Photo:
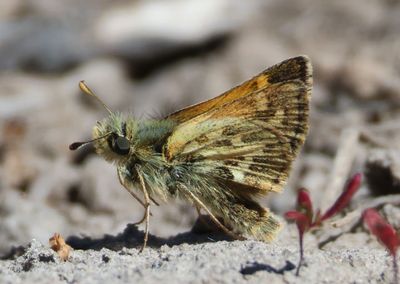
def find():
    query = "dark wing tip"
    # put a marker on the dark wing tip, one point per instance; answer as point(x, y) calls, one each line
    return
point(296, 68)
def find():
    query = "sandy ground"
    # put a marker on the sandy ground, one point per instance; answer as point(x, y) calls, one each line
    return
point(151, 57)
point(193, 258)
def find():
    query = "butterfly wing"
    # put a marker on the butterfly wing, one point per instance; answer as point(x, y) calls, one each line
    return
point(297, 68)
point(249, 135)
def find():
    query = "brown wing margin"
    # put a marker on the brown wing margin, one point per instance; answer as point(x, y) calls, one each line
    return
point(296, 68)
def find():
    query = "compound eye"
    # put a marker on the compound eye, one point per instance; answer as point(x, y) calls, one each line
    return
point(121, 145)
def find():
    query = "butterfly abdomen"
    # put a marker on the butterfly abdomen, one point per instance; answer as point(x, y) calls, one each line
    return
point(246, 217)
point(256, 222)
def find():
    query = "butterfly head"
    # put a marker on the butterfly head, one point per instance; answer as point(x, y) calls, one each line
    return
point(112, 136)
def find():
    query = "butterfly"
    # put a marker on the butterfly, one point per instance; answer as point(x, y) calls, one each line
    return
point(220, 155)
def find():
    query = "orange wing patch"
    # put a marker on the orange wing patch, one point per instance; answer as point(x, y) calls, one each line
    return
point(297, 68)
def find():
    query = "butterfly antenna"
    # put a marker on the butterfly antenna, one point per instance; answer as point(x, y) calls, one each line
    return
point(84, 88)
point(77, 145)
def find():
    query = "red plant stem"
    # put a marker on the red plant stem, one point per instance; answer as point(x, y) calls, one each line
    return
point(395, 270)
point(301, 234)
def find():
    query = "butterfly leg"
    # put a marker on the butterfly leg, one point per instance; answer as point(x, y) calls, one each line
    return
point(145, 212)
point(155, 202)
point(201, 216)
point(200, 205)
point(143, 218)
point(146, 216)
point(198, 209)
point(121, 180)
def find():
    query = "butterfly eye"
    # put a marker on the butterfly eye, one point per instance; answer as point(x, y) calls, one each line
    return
point(120, 145)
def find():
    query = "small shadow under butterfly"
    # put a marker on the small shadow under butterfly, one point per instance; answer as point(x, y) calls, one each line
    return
point(203, 231)
point(132, 237)
point(254, 267)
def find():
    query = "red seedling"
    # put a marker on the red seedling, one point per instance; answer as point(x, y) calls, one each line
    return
point(385, 233)
point(350, 189)
point(306, 219)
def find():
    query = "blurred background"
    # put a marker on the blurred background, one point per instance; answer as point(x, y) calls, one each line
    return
point(151, 57)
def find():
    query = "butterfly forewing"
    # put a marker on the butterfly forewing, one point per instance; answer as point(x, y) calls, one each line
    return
point(297, 68)
point(251, 134)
